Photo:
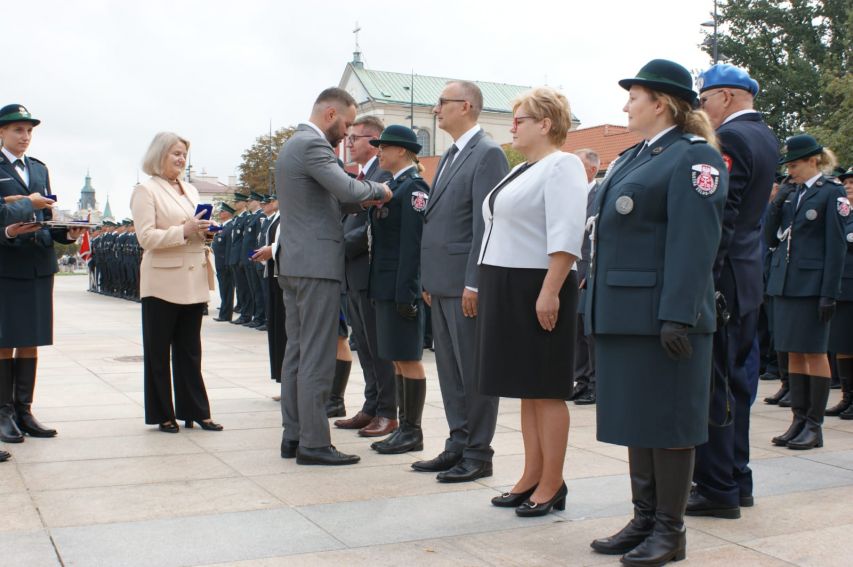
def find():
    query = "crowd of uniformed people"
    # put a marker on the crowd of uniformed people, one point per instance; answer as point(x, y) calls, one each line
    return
point(706, 251)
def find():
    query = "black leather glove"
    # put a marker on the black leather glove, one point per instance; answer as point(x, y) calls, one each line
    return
point(673, 338)
point(825, 309)
point(783, 193)
point(407, 311)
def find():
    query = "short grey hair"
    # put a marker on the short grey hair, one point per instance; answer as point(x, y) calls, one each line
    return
point(590, 156)
point(472, 94)
point(152, 163)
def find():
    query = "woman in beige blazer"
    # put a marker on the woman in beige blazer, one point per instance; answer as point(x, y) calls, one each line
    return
point(176, 277)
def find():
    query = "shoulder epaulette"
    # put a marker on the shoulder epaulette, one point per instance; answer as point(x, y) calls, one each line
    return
point(37, 160)
point(694, 139)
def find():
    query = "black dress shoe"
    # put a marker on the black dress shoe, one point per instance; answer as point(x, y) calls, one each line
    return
point(586, 398)
point(220, 319)
point(169, 427)
point(698, 505)
point(785, 402)
point(4, 456)
point(444, 462)
point(206, 425)
point(288, 449)
point(512, 499)
point(774, 399)
point(747, 501)
point(240, 321)
point(261, 327)
point(579, 389)
point(324, 456)
point(252, 324)
point(530, 509)
point(466, 470)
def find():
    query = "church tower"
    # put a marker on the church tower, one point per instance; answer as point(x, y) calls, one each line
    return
point(87, 196)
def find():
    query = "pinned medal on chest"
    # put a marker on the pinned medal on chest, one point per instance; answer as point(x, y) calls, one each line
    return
point(381, 212)
point(419, 201)
point(843, 206)
point(624, 205)
point(705, 178)
point(811, 214)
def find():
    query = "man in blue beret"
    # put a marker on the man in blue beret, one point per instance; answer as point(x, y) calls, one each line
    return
point(750, 150)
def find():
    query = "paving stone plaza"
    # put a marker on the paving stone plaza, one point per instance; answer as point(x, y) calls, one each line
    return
point(110, 491)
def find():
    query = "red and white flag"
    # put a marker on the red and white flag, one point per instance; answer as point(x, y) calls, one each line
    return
point(85, 249)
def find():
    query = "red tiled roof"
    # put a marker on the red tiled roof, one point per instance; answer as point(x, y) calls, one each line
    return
point(608, 140)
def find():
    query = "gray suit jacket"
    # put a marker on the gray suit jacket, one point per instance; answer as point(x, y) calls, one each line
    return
point(311, 187)
point(355, 238)
point(453, 221)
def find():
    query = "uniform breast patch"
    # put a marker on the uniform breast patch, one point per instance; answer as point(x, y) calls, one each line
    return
point(843, 206)
point(728, 160)
point(706, 178)
point(419, 201)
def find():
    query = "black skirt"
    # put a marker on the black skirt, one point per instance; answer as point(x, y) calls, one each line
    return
point(841, 329)
point(398, 338)
point(516, 357)
point(26, 312)
point(796, 327)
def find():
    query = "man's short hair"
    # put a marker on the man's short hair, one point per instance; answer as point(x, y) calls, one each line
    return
point(335, 94)
point(590, 156)
point(471, 93)
point(369, 122)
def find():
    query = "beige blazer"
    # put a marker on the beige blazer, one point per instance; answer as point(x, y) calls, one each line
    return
point(173, 269)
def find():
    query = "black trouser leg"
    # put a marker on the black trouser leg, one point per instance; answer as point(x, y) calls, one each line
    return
point(191, 403)
point(158, 323)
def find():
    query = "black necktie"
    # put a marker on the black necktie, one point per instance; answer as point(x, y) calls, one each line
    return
point(801, 190)
point(19, 163)
point(454, 149)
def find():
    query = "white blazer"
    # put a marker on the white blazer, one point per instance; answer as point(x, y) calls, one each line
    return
point(538, 213)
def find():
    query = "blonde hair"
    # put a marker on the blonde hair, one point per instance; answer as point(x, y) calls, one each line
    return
point(826, 161)
point(687, 118)
point(412, 156)
point(152, 163)
point(545, 102)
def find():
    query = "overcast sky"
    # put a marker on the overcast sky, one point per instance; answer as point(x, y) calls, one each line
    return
point(105, 76)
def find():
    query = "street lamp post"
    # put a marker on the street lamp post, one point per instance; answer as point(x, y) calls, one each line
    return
point(713, 24)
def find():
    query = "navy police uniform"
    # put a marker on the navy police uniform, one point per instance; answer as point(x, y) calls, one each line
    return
point(224, 275)
point(841, 326)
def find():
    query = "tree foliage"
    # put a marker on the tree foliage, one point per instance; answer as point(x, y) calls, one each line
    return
point(513, 156)
point(800, 52)
point(257, 167)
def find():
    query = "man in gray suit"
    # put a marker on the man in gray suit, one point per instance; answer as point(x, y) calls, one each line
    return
point(311, 187)
point(584, 391)
point(450, 246)
point(378, 415)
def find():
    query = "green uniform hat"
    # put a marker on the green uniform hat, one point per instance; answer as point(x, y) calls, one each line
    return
point(667, 77)
point(396, 135)
point(256, 197)
point(227, 208)
point(847, 174)
point(799, 147)
point(240, 196)
point(16, 113)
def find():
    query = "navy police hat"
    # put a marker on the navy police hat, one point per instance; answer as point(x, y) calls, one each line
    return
point(725, 75)
point(799, 147)
point(253, 196)
point(227, 208)
point(847, 174)
point(240, 196)
point(396, 135)
point(16, 113)
point(667, 77)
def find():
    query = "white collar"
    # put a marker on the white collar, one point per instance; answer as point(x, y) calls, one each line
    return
point(12, 157)
point(463, 140)
point(402, 171)
point(316, 129)
point(734, 115)
point(366, 167)
point(811, 181)
point(659, 135)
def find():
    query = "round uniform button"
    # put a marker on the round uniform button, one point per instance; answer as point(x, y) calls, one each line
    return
point(811, 214)
point(850, 237)
point(624, 205)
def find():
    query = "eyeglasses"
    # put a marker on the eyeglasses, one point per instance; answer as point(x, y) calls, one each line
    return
point(518, 119)
point(442, 101)
point(354, 137)
point(704, 99)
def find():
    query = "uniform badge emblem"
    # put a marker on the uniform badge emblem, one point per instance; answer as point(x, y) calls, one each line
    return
point(850, 237)
point(419, 201)
point(843, 206)
point(624, 205)
point(728, 160)
point(706, 179)
point(811, 214)
point(657, 150)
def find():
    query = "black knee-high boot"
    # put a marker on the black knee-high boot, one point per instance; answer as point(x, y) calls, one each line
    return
point(335, 406)
point(668, 542)
point(400, 396)
point(812, 433)
point(845, 374)
point(9, 432)
point(799, 384)
point(642, 471)
point(782, 393)
point(25, 385)
point(409, 435)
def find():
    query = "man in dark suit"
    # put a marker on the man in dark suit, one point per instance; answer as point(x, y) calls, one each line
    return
point(378, 415)
point(311, 188)
point(450, 246)
point(241, 283)
point(248, 247)
point(751, 151)
point(276, 316)
point(224, 276)
point(584, 391)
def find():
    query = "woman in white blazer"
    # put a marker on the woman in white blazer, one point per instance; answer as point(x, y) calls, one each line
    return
point(176, 277)
point(534, 226)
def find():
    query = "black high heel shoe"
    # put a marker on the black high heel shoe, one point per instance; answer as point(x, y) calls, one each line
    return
point(169, 427)
point(206, 425)
point(512, 499)
point(531, 509)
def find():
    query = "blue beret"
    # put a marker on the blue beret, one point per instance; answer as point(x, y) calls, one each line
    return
point(725, 75)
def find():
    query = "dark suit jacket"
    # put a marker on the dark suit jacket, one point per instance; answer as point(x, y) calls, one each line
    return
point(29, 255)
point(237, 233)
point(656, 236)
point(847, 275)
point(751, 153)
point(220, 246)
point(357, 261)
point(583, 261)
